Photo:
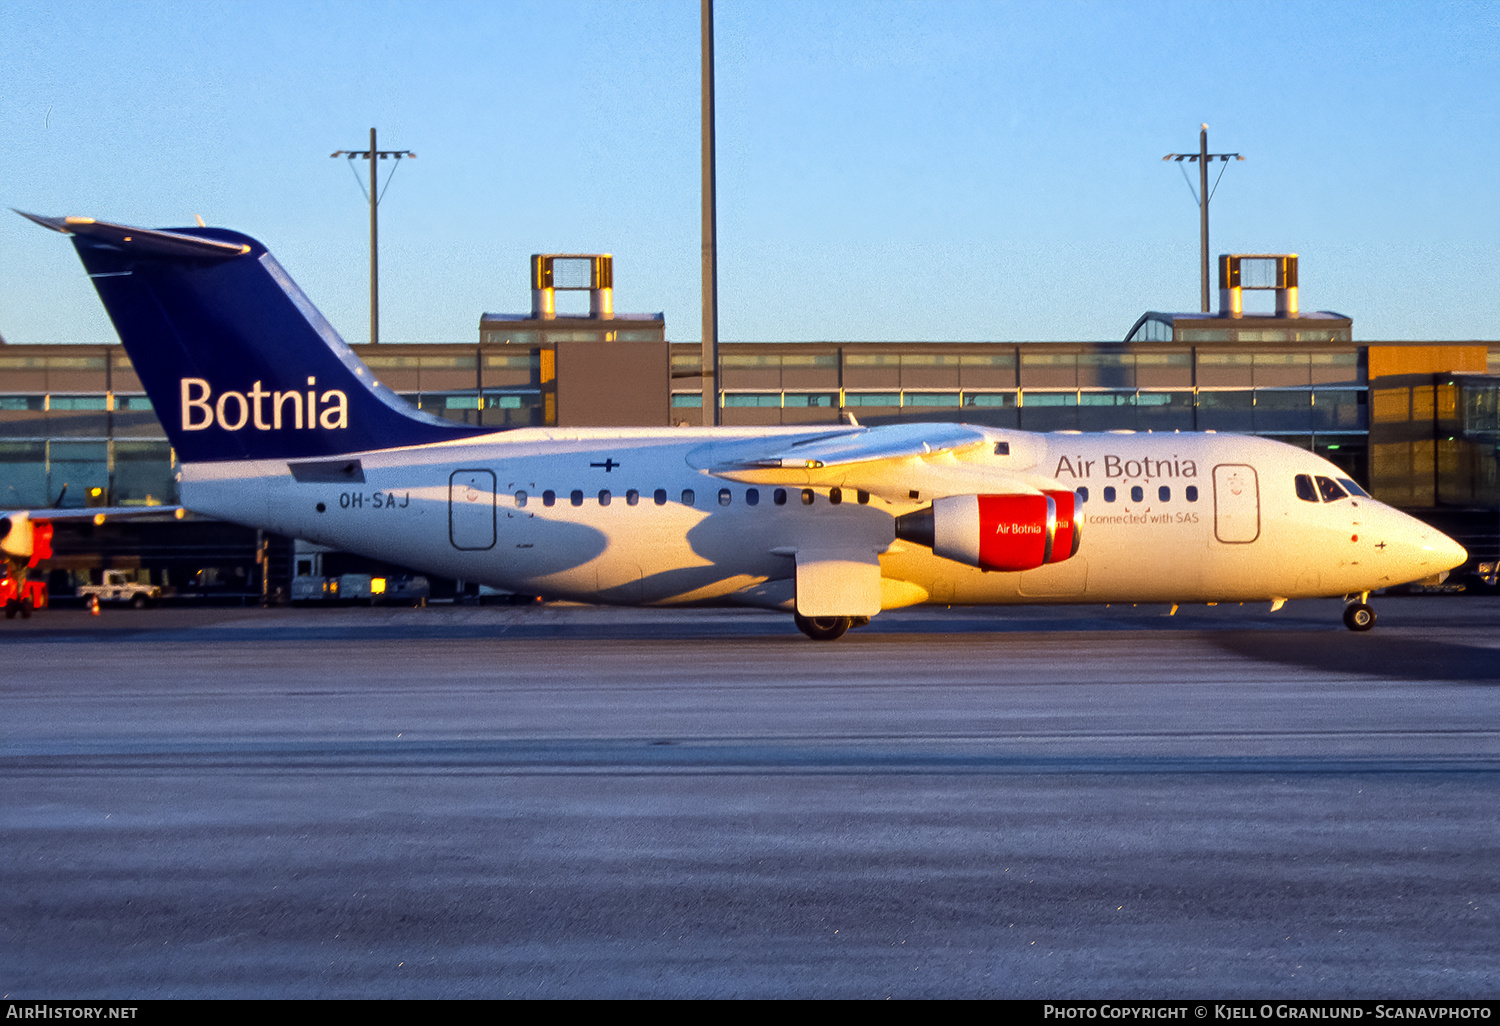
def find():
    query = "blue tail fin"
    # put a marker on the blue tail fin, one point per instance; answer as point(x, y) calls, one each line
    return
point(237, 361)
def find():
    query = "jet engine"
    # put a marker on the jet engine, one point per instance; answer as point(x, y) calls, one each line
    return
point(24, 540)
point(997, 532)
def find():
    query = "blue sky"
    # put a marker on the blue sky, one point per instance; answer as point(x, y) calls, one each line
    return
point(949, 171)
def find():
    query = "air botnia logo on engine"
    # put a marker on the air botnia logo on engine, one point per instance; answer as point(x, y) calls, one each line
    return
point(262, 410)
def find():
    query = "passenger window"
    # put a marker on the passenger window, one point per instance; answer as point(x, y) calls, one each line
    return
point(1190, 493)
point(1137, 494)
point(1305, 490)
point(687, 496)
point(1109, 493)
point(520, 500)
point(632, 497)
point(807, 496)
point(660, 496)
point(1164, 494)
point(604, 496)
point(752, 497)
point(835, 495)
point(1083, 494)
point(1330, 490)
point(724, 497)
point(549, 498)
point(576, 498)
point(1002, 448)
point(779, 496)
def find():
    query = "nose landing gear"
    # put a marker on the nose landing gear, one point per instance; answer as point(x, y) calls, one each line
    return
point(1359, 615)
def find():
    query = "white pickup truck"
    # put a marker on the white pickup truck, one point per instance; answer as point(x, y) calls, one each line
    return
point(119, 588)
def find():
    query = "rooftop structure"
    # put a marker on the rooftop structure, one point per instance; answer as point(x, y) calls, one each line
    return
point(599, 370)
point(1239, 272)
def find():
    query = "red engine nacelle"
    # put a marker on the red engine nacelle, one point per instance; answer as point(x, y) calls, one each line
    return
point(41, 542)
point(998, 532)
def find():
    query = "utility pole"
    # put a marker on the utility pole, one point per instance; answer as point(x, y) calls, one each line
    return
point(1202, 158)
point(374, 196)
point(711, 413)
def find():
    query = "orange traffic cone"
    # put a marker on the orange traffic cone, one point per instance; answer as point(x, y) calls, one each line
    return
point(94, 604)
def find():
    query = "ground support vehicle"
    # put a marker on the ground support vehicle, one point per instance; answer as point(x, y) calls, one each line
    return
point(117, 587)
point(21, 596)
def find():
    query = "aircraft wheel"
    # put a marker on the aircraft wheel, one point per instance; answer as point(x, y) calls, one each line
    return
point(822, 628)
point(1358, 616)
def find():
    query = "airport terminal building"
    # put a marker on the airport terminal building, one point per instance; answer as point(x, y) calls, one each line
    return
point(1417, 423)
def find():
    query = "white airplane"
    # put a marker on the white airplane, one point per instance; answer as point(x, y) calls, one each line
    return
point(278, 425)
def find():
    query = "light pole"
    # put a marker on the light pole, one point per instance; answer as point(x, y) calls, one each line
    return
point(710, 235)
point(372, 155)
point(1202, 158)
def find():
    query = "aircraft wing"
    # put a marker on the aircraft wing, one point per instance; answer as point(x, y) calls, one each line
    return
point(26, 534)
point(898, 462)
point(98, 514)
point(866, 445)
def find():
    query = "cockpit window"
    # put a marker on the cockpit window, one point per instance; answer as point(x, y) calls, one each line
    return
point(1352, 488)
point(1305, 490)
point(1330, 490)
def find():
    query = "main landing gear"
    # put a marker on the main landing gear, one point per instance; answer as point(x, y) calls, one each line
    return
point(825, 628)
point(1359, 615)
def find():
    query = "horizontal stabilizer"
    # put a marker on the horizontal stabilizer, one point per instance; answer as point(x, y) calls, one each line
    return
point(141, 240)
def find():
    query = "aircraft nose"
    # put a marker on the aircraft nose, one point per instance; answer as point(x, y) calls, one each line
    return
point(1418, 550)
point(1445, 552)
point(1431, 551)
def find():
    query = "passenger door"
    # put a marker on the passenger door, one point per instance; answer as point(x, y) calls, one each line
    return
point(471, 509)
point(1236, 504)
